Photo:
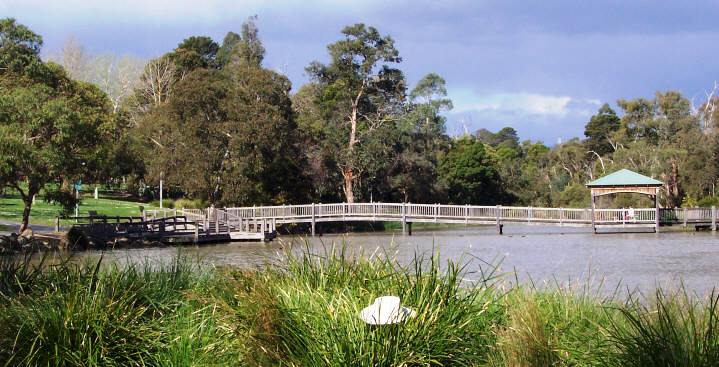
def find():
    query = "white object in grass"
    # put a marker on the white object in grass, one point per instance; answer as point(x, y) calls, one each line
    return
point(385, 310)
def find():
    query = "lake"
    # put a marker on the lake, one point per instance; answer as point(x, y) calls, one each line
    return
point(541, 255)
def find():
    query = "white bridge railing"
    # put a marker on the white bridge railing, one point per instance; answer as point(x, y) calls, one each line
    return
point(265, 218)
point(470, 213)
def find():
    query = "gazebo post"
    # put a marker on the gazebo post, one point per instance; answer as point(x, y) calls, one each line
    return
point(656, 210)
point(594, 226)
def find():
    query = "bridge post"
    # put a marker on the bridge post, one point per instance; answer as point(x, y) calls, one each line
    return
point(436, 212)
point(313, 219)
point(529, 214)
point(197, 233)
point(466, 214)
point(685, 217)
point(561, 217)
point(404, 218)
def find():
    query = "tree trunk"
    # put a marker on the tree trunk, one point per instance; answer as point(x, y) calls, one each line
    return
point(347, 172)
point(348, 185)
point(27, 200)
point(672, 186)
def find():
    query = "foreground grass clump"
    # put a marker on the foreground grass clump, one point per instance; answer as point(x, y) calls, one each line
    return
point(305, 313)
point(86, 315)
point(670, 329)
point(554, 327)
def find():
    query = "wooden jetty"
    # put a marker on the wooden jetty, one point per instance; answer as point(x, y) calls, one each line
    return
point(177, 226)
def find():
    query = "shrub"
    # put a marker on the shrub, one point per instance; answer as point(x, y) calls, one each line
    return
point(190, 204)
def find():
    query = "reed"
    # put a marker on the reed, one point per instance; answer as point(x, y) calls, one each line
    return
point(94, 315)
point(304, 310)
point(667, 329)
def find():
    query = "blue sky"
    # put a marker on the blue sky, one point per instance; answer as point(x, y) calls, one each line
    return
point(542, 67)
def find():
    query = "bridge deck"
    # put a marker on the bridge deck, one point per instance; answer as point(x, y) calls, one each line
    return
point(252, 223)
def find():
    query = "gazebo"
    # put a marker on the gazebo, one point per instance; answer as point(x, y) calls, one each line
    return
point(625, 181)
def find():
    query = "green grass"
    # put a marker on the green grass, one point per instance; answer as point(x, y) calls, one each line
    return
point(303, 311)
point(43, 213)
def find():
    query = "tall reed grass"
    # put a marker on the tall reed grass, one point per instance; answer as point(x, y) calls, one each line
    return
point(88, 315)
point(303, 311)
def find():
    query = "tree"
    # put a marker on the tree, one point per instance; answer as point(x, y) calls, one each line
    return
point(73, 59)
point(156, 83)
point(229, 43)
point(359, 92)
point(599, 131)
point(249, 51)
point(470, 174)
point(52, 127)
point(117, 76)
point(193, 53)
point(19, 49)
point(421, 143)
point(225, 135)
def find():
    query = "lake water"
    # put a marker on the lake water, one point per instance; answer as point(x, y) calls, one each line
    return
point(542, 255)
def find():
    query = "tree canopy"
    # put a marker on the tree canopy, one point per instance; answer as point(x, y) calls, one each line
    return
point(215, 125)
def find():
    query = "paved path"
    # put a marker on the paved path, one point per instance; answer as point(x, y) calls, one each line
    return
point(15, 226)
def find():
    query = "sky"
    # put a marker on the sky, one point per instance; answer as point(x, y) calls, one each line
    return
point(542, 67)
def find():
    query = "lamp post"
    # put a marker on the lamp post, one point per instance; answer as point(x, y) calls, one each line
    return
point(161, 173)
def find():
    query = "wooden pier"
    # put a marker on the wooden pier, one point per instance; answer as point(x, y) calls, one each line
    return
point(177, 226)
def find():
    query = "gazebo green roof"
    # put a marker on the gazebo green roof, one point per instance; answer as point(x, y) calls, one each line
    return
point(624, 177)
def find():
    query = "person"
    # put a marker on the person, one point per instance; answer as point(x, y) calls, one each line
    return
point(630, 213)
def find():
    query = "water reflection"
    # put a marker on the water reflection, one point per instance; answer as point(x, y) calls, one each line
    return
point(542, 255)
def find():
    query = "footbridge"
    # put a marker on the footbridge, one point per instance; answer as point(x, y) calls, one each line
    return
point(259, 221)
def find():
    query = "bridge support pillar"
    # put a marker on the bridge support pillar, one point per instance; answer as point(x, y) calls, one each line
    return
point(499, 219)
point(409, 228)
point(404, 218)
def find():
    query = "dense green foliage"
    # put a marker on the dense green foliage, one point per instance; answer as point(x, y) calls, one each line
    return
point(217, 127)
point(303, 311)
point(52, 127)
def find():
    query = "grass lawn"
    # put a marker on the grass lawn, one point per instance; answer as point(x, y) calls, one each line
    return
point(44, 213)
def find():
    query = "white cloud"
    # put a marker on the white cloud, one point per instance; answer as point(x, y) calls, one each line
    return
point(536, 116)
point(515, 103)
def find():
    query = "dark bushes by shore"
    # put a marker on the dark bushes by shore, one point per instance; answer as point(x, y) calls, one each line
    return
point(303, 311)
